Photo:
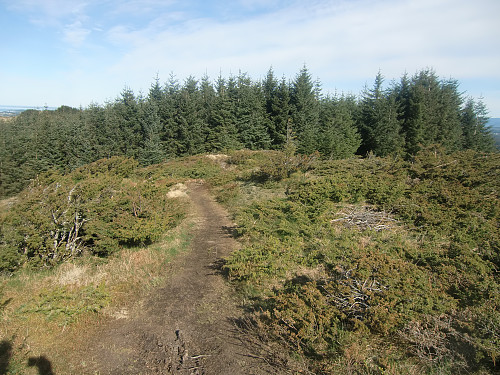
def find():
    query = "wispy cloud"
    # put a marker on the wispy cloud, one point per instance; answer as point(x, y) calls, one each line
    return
point(343, 42)
point(75, 33)
point(67, 17)
point(139, 7)
point(49, 12)
point(335, 38)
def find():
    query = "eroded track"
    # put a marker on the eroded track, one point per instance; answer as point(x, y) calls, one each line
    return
point(187, 325)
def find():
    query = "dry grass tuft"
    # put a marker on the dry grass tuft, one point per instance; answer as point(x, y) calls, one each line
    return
point(317, 273)
point(78, 275)
point(220, 159)
point(6, 204)
point(123, 278)
point(177, 191)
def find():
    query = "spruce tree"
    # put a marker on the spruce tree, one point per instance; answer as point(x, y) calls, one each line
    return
point(15, 150)
point(476, 133)
point(431, 109)
point(95, 123)
point(167, 111)
point(379, 123)
point(207, 100)
point(250, 114)
point(155, 92)
point(402, 95)
point(269, 89)
point(223, 133)
point(127, 124)
point(152, 151)
point(272, 107)
point(340, 138)
point(449, 130)
point(420, 123)
point(281, 114)
point(305, 111)
point(74, 138)
point(191, 131)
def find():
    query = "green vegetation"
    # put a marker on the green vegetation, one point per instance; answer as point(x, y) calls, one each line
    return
point(97, 208)
point(65, 305)
point(386, 264)
point(55, 285)
point(368, 266)
point(239, 113)
point(376, 266)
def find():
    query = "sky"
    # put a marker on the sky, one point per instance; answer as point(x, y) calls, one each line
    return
point(79, 52)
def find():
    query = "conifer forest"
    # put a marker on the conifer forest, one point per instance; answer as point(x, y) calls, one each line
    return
point(197, 116)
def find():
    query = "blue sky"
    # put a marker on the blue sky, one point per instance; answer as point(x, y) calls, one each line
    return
point(75, 52)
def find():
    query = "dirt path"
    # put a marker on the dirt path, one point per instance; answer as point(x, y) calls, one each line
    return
point(186, 326)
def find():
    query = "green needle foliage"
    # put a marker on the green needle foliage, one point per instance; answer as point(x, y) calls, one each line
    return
point(193, 117)
point(369, 266)
point(97, 209)
point(379, 266)
point(386, 264)
point(65, 305)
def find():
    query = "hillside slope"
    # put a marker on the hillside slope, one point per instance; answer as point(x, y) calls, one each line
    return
point(359, 266)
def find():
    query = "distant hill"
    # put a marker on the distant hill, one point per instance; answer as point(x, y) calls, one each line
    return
point(14, 110)
point(494, 123)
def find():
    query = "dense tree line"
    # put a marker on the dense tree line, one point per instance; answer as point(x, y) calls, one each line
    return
point(200, 116)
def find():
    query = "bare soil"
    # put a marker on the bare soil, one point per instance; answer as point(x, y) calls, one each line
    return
point(187, 325)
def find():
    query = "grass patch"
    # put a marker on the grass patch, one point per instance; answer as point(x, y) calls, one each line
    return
point(45, 312)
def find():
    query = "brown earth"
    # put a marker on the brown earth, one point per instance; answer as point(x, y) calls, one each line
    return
point(188, 325)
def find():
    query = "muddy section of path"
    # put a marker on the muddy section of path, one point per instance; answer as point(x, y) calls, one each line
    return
point(185, 326)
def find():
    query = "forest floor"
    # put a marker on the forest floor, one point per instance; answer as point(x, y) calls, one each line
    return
point(187, 326)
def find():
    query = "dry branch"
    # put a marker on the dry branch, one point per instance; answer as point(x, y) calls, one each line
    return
point(364, 218)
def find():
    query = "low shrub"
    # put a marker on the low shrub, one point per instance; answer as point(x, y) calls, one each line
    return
point(94, 209)
point(425, 285)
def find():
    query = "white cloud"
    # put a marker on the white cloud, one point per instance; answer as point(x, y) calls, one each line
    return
point(339, 40)
point(135, 7)
point(49, 12)
point(75, 34)
point(344, 43)
point(68, 17)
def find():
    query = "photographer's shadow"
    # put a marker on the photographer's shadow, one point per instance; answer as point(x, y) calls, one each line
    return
point(43, 364)
point(5, 354)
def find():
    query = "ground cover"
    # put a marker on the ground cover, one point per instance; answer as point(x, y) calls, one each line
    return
point(376, 265)
point(359, 266)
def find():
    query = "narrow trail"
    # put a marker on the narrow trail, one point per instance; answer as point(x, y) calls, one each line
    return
point(185, 326)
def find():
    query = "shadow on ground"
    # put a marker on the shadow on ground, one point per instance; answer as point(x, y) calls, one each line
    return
point(42, 363)
point(5, 354)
